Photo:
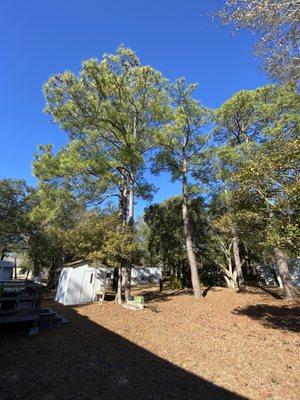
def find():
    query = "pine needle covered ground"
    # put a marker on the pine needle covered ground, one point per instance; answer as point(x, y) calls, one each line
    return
point(225, 346)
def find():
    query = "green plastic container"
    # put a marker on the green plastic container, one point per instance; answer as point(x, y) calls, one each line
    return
point(139, 300)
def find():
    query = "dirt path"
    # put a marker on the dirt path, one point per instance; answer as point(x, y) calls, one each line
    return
point(225, 346)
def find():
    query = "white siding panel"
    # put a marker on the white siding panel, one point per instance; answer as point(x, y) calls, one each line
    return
point(140, 275)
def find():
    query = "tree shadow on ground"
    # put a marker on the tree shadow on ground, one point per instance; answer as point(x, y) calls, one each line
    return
point(83, 360)
point(274, 292)
point(205, 291)
point(278, 317)
point(167, 295)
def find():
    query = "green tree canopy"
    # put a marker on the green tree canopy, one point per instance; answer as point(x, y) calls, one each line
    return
point(13, 208)
point(111, 112)
point(181, 144)
point(165, 237)
point(259, 162)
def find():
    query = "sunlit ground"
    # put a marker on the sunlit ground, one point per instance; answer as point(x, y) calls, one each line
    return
point(225, 346)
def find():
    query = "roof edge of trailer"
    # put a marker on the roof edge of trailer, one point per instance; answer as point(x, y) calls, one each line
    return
point(82, 261)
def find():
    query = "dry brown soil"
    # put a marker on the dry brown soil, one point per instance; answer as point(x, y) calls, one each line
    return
point(224, 346)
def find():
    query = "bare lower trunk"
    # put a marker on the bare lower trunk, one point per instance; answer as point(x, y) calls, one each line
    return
point(229, 277)
point(122, 273)
point(228, 273)
point(290, 291)
point(161, 285)
point(2, 253)
point(15, 268)
point(118, 298)
point(123, 205)
point(130, 222)
point(238, 265)
point(36, 268)
point(130, 219)
point(51, 274)
point(188, 240)
point(127, 282)
point(229, 282)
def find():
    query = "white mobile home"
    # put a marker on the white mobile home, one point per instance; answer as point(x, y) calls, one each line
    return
point(80, 281)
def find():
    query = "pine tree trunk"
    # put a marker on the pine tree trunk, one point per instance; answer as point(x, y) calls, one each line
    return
point(36, 268)
point(15, 268)
point(130, 222)
point(238, 265)
point(232, 273)
point(130, 216)
point(2, 253)
point(290, 291)
point(188, 238)
point(127, 282)
point(118, 298)
point(122, 273)
point(123, 205)
point(51, 274)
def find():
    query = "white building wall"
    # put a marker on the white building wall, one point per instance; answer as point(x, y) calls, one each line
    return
point(142, 275)
point(6, 270)
point(75, 285)
point(70, 284)
point(62, 286)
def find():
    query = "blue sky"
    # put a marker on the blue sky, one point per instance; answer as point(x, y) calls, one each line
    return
point(41, 38)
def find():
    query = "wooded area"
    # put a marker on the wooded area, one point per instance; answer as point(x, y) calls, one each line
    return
point(238, 167)
point(209, 326)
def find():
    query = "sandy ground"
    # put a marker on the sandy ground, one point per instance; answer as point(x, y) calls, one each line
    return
point(225, 346)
